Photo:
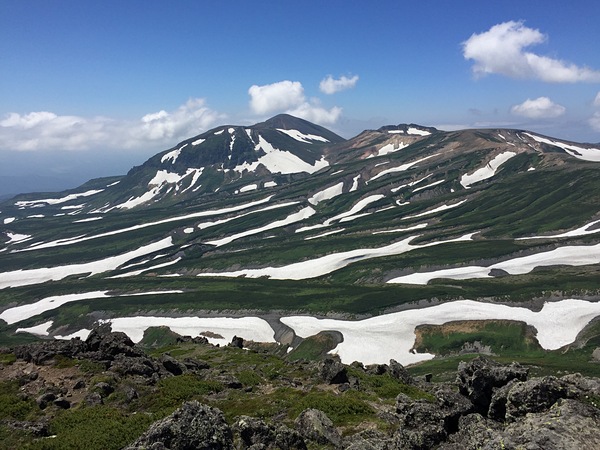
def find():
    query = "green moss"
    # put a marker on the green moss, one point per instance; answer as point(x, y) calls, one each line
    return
point(15, 406)
point(100, 427)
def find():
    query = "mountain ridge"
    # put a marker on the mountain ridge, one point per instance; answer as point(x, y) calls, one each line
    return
point(393, 219)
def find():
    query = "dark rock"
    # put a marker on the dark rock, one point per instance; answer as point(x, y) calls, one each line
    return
point(62, 403)
point(172, 365)
point(37, 429)
point(79, 384)
point(93, 399)
point(45, 399)
point(567, 425)
point(255, 433)
point(421, 424)
point(537, 395)
point(192, 427)
point(118, 343)
point(195, 365)
point(314, 425)
point(478, 378)
point(104, 389)
point(453, 406)
point(143, 366)
point(368, 440)
point(398, 372)
point(377, 369)
point(333, 372)
point(237, 342)
point(44, 353)
point(195, 340)
point(474, 431)
point(130, 394)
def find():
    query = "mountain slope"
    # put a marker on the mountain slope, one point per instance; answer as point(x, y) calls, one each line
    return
point(286, 216)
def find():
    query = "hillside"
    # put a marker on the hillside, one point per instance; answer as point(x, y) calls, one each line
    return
point(181, 393)
point(261, 231)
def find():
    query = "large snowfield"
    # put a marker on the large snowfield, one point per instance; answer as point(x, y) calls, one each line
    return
point(375, 340)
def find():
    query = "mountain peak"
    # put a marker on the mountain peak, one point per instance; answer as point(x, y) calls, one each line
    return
point(409, 129)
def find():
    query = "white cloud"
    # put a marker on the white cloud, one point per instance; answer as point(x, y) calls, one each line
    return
point(313, 112)
point(595, 121)
point(48, 131)
point(276, 97)
point(539, 108)
point(501, 50)
point(597, 99)
point(288, 96)
point(330, 85)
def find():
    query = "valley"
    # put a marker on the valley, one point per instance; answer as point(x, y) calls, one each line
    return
point(287, 220)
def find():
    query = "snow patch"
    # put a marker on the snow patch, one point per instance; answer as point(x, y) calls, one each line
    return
point(568, 255)
point(587, 154)
point(327, 194)
point(280, 161)
point(390, 148)
point(401, 168)
point(89, 219)
point(327, 233)
point(248, 188)
point(303, 214)
point(38, 330)
point(329, 263)
point(251, 328)
point(305, 138)
point(56, 201)
point(435, 210)
point(355, 183)
point(488, 171)
point(417, 132)
point(23, 277)
point(16, 237)
point(391, 336)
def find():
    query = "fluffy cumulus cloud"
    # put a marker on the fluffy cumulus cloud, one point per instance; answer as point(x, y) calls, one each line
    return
point(502, 50)
point(330, 85)
point(539, 108)
point(276, 97)
point(597, 100)
point(48, 131)
point(288, 96)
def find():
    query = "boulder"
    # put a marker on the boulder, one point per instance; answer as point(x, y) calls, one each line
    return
point(398, 372)
point(567, 425)
point(478, 379)
point(194, 426)
point(520, 398)
point(314, 425)
point(333, 372)
point(368, 440)
point(422, 424)
point(172, 365)
point(255, 433)
point(237, 342)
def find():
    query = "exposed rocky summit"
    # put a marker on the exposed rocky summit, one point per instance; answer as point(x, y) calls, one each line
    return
point(488, 406)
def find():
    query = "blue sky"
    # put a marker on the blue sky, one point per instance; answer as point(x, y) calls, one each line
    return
point(91, 88)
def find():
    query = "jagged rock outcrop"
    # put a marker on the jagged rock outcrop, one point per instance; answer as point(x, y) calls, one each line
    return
point(333, 371)
point(478, 379)
point(255, 433)
point(489, 406)
point(192, 427)
point(314, 425)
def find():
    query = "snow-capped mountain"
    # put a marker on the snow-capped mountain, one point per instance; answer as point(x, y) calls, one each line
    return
point(287, 215)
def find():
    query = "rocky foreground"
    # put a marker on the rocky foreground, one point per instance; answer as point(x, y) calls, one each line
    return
point(488, 406)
